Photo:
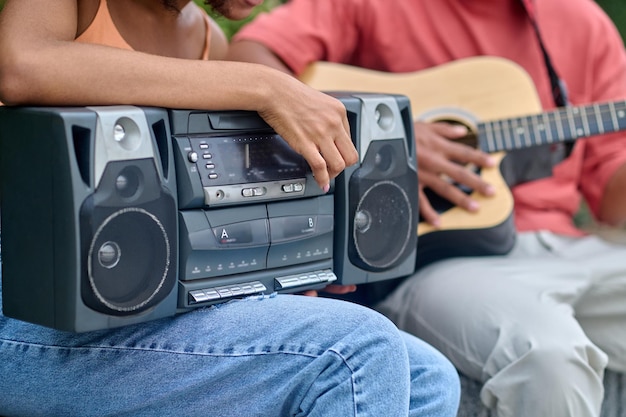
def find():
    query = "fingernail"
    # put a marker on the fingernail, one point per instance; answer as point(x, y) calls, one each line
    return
point(459, 129)
point(473, 206)
point(490, 190)
point(326, 188)
point(490, 161)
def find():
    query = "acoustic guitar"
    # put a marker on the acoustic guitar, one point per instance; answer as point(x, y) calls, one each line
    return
point(497, 100)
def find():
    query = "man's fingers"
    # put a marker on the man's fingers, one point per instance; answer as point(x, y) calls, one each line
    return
point(450, 130)
point(457, 151)
point(448, 190)
point(469, 178)
point(468, 155)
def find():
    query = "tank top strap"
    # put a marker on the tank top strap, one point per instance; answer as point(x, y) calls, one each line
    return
point(207, 44)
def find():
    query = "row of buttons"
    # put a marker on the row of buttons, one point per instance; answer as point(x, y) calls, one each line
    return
point(227, 291)
point(193, 158)
point(256, 287)
point(292, 281)
point(296, 187)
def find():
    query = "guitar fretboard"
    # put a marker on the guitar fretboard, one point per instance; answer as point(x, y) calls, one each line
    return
point(561, 125)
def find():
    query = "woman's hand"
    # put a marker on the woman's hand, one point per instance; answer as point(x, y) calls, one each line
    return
point(315, 125)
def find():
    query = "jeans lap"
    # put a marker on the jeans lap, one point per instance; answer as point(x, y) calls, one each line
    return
point(255, 354)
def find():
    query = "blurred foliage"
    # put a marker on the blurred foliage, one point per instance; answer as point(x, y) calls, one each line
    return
point(616, 9)
point(230, 27)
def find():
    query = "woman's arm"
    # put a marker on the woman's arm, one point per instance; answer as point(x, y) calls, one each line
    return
point(41, 64)
point(251, 51)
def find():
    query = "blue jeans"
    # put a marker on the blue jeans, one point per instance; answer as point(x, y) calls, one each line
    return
point(283, 355)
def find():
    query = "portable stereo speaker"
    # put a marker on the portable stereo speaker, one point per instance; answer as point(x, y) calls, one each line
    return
point(116, 215)
point(89, 224)
point(376, 200)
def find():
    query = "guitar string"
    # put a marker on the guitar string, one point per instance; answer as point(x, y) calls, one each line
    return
point(573, 115)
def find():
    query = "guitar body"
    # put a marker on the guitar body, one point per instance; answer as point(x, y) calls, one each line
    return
point(466, 91)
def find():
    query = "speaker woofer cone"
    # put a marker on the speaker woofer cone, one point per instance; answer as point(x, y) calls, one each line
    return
point(128, 260)
point(384, 241)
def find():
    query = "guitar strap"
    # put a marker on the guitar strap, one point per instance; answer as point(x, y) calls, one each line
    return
point(559, 91)
point(537, 162)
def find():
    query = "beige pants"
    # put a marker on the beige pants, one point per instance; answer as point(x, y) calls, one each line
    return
point(537, 326)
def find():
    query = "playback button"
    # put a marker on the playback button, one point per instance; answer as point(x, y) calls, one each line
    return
point(296, 187)
point(301, 280)
point(225, 291)
point(253, 192)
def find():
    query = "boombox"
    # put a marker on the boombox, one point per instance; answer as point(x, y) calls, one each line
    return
point(116, 215)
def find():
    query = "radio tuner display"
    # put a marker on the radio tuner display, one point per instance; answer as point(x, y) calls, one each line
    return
point(245, 159)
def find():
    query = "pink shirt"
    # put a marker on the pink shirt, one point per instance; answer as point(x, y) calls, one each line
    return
point(411, 35)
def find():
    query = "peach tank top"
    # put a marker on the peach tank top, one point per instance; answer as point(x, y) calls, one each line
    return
point(102, 31)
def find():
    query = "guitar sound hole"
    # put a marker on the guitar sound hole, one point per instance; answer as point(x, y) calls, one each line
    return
point(439, 203)
point(470, 140)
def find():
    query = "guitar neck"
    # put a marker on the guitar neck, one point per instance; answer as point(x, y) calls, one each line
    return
point(561, 125)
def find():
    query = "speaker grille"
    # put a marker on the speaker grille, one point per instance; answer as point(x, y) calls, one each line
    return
point(129, 260)
point(381, 229)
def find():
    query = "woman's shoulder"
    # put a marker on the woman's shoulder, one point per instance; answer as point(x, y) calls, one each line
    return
point(218, 40)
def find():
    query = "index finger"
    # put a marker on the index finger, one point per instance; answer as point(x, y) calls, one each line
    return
point(468, 155)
